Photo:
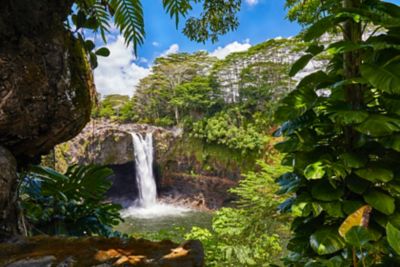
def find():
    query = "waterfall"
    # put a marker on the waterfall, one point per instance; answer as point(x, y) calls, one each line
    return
point(146, 205)
point(143, 150)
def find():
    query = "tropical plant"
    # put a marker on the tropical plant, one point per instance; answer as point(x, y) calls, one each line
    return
point(341, 136)
point(252, 233)
point(69, 204)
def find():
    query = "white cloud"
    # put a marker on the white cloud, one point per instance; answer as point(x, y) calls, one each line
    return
point(156, 44)
point(252, 2)
point(118, 74)
point(222, 52)
point(173, 49)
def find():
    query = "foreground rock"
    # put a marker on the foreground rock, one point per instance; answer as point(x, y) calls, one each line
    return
point(85, 252)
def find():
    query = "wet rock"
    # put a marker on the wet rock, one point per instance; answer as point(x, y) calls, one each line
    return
point(8, 194)
point(46, 261)
point(100, 252)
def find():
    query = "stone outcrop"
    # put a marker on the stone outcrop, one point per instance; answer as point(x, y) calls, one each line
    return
point(46, 84)
point(8, 195)
point(85, 252)
point(182, 175)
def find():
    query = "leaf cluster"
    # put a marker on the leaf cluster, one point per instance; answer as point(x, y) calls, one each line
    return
point(340, 129)
point(69, 204)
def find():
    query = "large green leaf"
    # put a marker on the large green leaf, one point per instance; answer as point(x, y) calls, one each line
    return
point(376, 174)
point(393, 237)
point(379, 125)
point(319, 28)
point(391, 103)
point(295, 104)
point(315, 171)
point(391, 142)
point(323, 190)
point(353, 160)
point(385, 78)
point(346, 117)
point(357, 185)
point(358, 236)
point(326, 241)
point(300, 64)
point(380, 201)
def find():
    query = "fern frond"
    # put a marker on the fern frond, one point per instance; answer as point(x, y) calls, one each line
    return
point(103, 19)
point(177, 8)
point(128, 17)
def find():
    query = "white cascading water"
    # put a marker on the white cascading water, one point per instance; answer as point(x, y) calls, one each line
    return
point(146, 205)
point(143, 148)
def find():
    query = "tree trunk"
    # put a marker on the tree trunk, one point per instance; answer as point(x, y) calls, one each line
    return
point(351, 65)
point(9, 222)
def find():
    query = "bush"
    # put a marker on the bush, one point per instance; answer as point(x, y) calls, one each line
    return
point(69, 204)
point(253, 233)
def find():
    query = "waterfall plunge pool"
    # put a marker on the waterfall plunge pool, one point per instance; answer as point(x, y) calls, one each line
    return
point(148, 218)
point(162, 221)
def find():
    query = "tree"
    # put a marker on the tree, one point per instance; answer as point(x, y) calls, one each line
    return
point(261, 86)
point(343, 146)
point(195, 98)
point(179, 68)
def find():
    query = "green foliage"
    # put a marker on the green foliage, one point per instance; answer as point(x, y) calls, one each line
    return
point(176, 90)
point(229, 129)
point(342, 145)
point(69, 204)
point(115, 107)
point(253, 233)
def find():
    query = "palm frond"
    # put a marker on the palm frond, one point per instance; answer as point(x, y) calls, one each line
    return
point(128, 17)
point(103, 19)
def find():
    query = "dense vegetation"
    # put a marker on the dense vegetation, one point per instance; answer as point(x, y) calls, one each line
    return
point(343, 143)
point(68, 204)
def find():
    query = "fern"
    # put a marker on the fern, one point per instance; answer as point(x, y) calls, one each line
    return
point(128, 17)
point(102, 17)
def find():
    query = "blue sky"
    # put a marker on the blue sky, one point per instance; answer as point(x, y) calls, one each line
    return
point(260, 20)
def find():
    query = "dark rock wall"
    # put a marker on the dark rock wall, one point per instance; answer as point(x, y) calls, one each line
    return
point(124, 189)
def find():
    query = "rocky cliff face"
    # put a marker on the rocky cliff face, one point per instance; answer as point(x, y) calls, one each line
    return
point(182, 175)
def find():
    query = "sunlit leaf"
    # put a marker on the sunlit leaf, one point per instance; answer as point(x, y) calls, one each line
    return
point(326, 241)
point(358, 218)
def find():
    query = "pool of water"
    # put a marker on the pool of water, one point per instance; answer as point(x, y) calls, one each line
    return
point(162, 222)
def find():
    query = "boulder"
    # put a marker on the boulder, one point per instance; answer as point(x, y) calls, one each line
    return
point(46, 84)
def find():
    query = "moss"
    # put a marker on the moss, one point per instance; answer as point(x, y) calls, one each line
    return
point(211, 157)
point(63, 159)
point(81, 78)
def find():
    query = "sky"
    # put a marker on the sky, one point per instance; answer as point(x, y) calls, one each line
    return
point(259, 20)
